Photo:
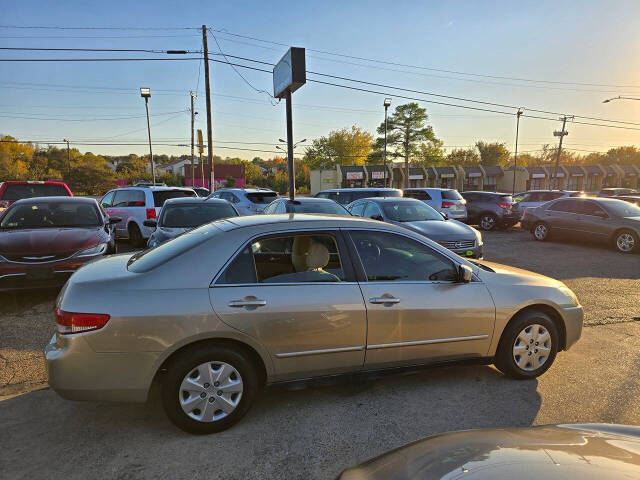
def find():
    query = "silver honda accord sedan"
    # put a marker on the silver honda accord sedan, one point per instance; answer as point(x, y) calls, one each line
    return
point(218, 312)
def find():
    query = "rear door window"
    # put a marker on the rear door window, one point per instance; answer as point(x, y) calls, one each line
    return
point(30, 190)
point(129, 198)
point(417, 194)
point(107, 200)
point(451, 195)
point(567, 206)
point(261, 198)
point(160, 196)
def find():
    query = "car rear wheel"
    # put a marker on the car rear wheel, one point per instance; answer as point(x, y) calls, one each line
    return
point(135, 236)
point(540, 231)
point(528, 346)
point(487, 221)
point(626, 241)
point(209, 389)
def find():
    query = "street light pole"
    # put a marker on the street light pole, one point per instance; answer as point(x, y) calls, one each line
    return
point(562, 133)
point(207, 89)
point(387, 102)
point(146, 93)
point(68, 158)
point(192, 157)
point(515, 156)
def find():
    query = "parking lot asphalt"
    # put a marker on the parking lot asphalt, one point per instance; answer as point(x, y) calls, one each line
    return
point(317, 431)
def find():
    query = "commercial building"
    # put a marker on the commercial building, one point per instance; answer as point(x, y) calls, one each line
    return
point(223, 173)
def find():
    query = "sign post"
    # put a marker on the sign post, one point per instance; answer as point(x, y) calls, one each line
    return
point(289, 74)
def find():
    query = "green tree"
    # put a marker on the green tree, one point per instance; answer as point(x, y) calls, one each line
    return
point(348, 146)
point(431, 153)
point(230, 181)
point(623, 156)
point(494, 153)
point(407, 130)
point(463, 157)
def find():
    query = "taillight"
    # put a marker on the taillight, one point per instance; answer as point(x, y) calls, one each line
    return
point(151, 213)
point(69, 322)
point(447, 204)
point(505, 205)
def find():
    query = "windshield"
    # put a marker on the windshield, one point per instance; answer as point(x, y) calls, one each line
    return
point(160, 196)
point(330, 208)
point(30, 190)
point(621, 208)
point(51, 215)
point(410, 212)
point(262, 198)
point(194, 215)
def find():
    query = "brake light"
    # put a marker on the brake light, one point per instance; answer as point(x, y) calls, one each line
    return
point(505, 205)
point(69, 322)
point(447, 204)
point(151, 213)
point(138, 204)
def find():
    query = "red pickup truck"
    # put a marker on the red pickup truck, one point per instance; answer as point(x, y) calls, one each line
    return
point(11, 191)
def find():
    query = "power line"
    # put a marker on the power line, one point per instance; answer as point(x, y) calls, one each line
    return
point(420, 67)
point(138, 50)
point(86, 119)
point(96, 59)
point(39, 27)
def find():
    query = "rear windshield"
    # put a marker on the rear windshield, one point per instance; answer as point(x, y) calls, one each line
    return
point(194, 215)
point(150, 259)
point(262, 198)
point(451, 195)
point(30, 190)
point(159, 197)
point(506, 198)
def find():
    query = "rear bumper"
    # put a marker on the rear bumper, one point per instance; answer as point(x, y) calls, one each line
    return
point(77, 372)
point(573, 320)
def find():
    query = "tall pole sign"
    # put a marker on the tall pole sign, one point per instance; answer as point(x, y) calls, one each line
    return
point(289, 74)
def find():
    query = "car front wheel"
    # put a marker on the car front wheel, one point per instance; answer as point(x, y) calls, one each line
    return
point(626, 241)
point(528, 346)
point(209, 389)
point(487, 221)
point(540, 231)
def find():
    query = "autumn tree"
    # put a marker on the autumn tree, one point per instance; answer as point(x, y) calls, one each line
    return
point(463, 157)
point(494, 153)
point(348, 146)
point(14, 158)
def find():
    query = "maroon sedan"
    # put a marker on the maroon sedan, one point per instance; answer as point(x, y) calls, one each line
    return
point(44, 240)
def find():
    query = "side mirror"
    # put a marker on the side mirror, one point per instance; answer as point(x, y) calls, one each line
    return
point(114, 220)
point(444, 215)
point(150, 223)
point(464, 274)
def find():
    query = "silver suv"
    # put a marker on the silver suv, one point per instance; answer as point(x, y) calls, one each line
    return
point(248, 201)
point(445, 200)
point(134, 205)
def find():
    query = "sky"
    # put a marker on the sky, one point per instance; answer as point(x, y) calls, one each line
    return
point(561, 56)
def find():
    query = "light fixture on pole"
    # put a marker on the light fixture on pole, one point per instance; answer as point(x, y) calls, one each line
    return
point(387, 104)
point(145, 93)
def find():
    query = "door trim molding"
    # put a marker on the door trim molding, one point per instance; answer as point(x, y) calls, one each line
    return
point(318, 352)
point(426, 342)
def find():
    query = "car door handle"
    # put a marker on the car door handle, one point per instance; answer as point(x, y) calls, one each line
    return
point(247, 303)
point(384, 300)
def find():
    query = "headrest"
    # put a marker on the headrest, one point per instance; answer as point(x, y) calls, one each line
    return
point(318, 256)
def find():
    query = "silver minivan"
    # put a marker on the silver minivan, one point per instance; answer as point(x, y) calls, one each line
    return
point(134, 205)
point(444, 200)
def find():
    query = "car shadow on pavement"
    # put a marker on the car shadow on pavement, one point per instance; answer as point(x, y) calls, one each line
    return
point(314, 432)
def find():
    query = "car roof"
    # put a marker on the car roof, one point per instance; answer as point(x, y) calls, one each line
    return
point(484, 193)
point(194, 200)
point(155, 188)
point(57, 199)
point(390, 200)
point(246, 190)
point(36, 182)
point(297, 220)
point(306, 200)
point(360, 189)
point(429, 188)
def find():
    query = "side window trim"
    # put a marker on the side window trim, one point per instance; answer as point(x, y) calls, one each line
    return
point(343, 251)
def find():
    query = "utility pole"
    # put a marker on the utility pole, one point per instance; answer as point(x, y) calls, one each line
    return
point(68, 158)
point(386, 103)
point(562, 133)
point(207, 88)
point(192, 157)
point(515, 157)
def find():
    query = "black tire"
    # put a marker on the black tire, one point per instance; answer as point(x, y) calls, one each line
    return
point(626, 241)
point(488, 221)
point(185, 363)
point(135, 236)
point(540, 231)
point(505, 359)
point(113, 249)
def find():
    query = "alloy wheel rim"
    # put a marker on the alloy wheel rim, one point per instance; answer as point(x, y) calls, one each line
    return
point(487, 222)
point(211, 391)
point(532, 347)
point(625, 242)
point(541, 232)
